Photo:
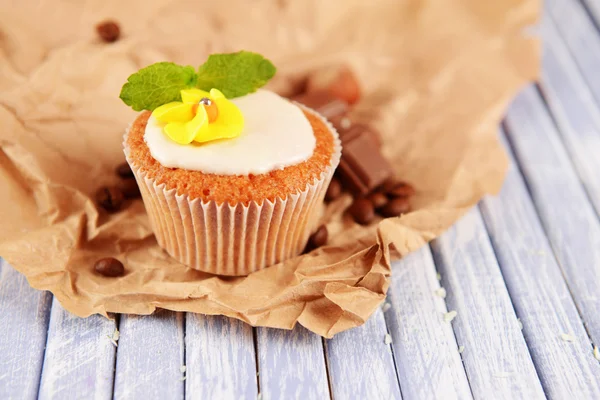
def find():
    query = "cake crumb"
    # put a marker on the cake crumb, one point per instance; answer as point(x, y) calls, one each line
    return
point(567, 337)
point(461, 348)
point(114, 338)
point(438, 276)
point(183, 368)
point(520, 323)
point(440, 292)
point(386, 306)
point(596, 353)
point(259, 396)
point(449, 316)
point(387, 339)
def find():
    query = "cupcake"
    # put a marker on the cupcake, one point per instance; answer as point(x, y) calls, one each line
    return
point(232, 176)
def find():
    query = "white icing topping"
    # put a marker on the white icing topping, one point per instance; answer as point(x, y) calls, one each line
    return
point(276, 135)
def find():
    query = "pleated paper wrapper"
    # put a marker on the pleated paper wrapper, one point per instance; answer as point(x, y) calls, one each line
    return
point(236, 239)
point(436, 78)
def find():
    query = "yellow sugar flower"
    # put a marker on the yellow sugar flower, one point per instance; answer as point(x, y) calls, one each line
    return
point(200, 117)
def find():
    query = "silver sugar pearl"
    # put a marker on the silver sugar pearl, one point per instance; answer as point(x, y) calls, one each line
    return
point(205, 101)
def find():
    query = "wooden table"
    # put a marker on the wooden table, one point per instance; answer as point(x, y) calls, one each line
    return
point(521, 271)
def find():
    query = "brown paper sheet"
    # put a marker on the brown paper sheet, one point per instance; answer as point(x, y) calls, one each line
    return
point(436, 75)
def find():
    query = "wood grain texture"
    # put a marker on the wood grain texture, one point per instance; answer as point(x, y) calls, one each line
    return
point(79, 359)
point(573, 109)
point(581, 35)
point(495, 354)
point(562, 203)
point(425, 349)
point(220, 356)
point(361, 365)
point(24, 317)
point(291, 364)
point(150, 356)
point(539, 294)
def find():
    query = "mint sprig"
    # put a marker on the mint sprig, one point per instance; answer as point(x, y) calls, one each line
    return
point(156, 85)
point(234, 74)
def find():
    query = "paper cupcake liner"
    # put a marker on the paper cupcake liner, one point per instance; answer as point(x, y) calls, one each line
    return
point(239, 239)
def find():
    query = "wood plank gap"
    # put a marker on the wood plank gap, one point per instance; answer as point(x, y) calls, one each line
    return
point(118, 326)
point(591, 12)
point(324, 343)
point(255, 342)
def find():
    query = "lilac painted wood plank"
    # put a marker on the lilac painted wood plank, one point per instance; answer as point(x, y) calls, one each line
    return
point(573, 108)
point(593, 8)
point(24, 316)
point(561, 201)
point(539, 294)
point(576, 27)
point(150, 356)
point(291, 364)
point(361, 364)
point(79, 358)
point(425, 350)
point(220, 356)
point(495, 355)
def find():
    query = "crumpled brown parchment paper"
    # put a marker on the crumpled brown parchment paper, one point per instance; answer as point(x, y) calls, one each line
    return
point(436, 76)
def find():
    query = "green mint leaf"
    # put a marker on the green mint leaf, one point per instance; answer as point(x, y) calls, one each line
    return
point(235, 74)
point(157, 84)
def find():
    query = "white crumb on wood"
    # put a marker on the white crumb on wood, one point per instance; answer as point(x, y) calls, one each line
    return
point(438, 276)
point(183, 368)
point(386, 306)
point(461, 348)
point(183, 378)
point(567, 337)
point(596, 353)
point(114, 338)
point(440, 292)
point(387, 339)
point(259, 396)
point(449, 316)
point(520, 323)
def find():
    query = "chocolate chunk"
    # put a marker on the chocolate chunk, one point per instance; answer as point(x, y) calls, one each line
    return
point(124, 171)
point(317, 239)
point(324, 103)
point(401, 190)
point(362, 167)
point(378, 199)
point(334, 190)
point(362, 211)
point(110, 198)
point(110, 267)
point(109, 31)
point(348, 131)
point(395, 207)
point(130, 189)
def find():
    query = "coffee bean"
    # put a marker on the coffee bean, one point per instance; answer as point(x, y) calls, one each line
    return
point(378, 199)
point(401, 190)
point(334, 190)
point(109, 31)
point(110, 267)
point(109, 198)
point(318, 239)
point(124, 171)
point(130, 189)
point(362, 211)
point(388, 184)
point(395, 207)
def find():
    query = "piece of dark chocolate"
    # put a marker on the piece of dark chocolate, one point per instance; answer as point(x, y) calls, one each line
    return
point(324, 103)
point(362, 167)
